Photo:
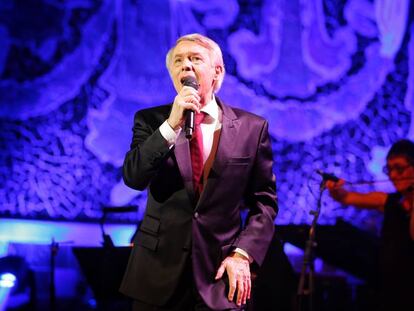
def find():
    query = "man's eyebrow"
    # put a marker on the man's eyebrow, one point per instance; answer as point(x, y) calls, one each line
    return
point(189, 53)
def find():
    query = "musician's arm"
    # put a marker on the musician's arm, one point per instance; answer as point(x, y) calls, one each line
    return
point(370, 200)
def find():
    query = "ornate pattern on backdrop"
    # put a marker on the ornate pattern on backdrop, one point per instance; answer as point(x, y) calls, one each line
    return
point(335, 79)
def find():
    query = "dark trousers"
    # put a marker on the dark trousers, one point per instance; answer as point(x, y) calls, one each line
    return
point(185, 297)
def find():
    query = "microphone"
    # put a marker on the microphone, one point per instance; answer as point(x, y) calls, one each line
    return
point(327, 176)
point(189, 114)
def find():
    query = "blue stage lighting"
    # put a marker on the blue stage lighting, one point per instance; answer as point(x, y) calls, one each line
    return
point(7, 280)
point(16, 284)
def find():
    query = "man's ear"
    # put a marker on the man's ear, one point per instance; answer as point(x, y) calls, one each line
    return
point(218, 72)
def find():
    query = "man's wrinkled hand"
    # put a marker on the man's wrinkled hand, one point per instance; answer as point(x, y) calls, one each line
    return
point(187, 98)
point(237, 267)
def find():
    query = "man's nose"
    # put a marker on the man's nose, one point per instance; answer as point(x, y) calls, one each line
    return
point(186, 65)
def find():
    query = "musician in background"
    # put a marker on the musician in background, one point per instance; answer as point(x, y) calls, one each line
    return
point(397, 234)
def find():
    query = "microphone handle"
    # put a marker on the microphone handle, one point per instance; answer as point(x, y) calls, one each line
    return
point(189, 123)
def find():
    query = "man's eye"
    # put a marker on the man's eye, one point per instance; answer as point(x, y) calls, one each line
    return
point(196, 59)
point(177, 61)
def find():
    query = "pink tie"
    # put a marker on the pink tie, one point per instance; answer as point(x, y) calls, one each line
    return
point(196, 150)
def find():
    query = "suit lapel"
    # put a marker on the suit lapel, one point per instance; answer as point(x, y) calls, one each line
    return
point(228, 138)
point(227, 141)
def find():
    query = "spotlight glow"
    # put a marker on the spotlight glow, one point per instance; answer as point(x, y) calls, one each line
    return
point(7, 280)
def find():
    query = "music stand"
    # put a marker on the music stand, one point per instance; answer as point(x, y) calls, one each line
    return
point(104, 267)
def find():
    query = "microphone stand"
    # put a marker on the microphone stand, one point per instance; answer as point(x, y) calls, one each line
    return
point(306, 286)
point(107, 241)
point(54, 248)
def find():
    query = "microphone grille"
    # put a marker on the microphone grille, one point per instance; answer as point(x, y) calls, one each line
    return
point(190, 81)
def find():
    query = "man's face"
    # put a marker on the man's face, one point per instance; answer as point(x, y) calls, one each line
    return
point(400, 172)
point(192, 59)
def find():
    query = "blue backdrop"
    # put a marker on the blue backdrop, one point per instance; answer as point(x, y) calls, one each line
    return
point(335, 79)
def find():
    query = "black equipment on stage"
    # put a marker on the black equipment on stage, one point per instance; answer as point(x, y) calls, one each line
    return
point(341, 245)
point(274, 285)
point(348, 248)
point(306, 286)
point(106, 239)
point(103, 269)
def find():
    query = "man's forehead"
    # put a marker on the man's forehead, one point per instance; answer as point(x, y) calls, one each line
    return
point(189, 47)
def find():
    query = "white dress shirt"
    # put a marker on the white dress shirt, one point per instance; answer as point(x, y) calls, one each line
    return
point(210, 124)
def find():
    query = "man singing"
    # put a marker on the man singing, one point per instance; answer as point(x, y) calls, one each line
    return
point(192, 251)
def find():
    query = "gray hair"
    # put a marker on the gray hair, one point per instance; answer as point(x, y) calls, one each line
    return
point(213, 47)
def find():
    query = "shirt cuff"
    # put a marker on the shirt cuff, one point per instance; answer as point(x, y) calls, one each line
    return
point(169, 134)
point(244, 254)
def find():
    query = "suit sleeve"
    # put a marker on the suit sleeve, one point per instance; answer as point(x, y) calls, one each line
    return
point(261, 201)
point(146, 155)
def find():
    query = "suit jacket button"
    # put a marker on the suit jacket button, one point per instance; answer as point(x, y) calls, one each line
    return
point(196, 215)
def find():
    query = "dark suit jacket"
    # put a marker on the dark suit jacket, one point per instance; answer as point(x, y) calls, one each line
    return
point(175, 223)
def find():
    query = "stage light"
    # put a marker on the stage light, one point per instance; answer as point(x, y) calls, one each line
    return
point(16, 283)
point(7, 280)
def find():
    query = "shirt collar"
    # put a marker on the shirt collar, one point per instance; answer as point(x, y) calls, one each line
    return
point(211, 108)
